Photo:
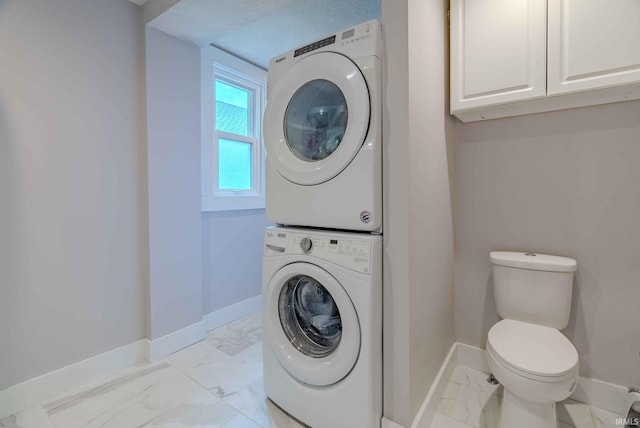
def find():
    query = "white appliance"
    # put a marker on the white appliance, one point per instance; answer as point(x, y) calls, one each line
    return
point(323, 132)
point(527, 353)
point(322, 303)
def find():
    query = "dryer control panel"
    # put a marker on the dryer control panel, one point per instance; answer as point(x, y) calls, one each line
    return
point(344, 250)
point(360, 41)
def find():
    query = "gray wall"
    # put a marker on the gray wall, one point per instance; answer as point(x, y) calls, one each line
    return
point(431, 162)
point(199, 262)
point(565, 183)
point(396, 349)
point(418, 224)
point(232, 243)
point(173, 123)
point(71, 155)
point(81, 235)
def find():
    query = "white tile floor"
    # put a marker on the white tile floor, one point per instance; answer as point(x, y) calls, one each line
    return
point(216, 383)
point(469, 401)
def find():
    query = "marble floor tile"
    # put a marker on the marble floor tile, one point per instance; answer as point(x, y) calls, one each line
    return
point(251, 356)
point(132, 400)
point(573, 414)
point(238, 335)
point(35, 417)
point(220, 373)
point(241, 421)
point(441, 421)
point(203, 411)
point(216, 383)
point(253, 403)
point(469, 398)
point(279, 419)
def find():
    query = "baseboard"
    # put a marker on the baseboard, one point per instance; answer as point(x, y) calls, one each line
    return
point(604, 395)
point(34, 391)
point(607, 396)
point(472, 357)
point(388, 423)
point(42, 388)
point(166, 345)
point(230, 313)
point(428, 409)
point(172, 342)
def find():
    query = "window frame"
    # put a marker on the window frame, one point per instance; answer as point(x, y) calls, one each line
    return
point(219, 65)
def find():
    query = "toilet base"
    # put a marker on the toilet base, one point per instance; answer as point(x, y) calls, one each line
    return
point(517, 412)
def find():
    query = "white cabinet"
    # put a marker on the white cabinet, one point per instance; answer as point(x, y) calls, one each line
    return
point(498, 51)
point(593, 44)
point(512, 57)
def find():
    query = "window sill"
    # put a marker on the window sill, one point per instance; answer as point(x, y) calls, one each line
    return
point(231, 203)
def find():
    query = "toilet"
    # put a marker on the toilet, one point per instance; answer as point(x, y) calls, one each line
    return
point(526, 352)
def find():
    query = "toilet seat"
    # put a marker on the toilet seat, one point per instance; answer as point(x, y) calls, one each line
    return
point(533, 351)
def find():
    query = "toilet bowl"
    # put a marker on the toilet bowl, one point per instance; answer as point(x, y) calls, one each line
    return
point(537, 366)
point(526, 352)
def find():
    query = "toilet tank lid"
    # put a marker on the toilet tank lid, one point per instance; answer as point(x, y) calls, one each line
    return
point(533, 261)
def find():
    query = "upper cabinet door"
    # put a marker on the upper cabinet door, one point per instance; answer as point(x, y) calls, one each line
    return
point(498, 52)
point(593, 44)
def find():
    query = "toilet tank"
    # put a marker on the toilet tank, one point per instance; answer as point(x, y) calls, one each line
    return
point(534, 288)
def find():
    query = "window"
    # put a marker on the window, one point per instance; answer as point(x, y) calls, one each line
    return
point(237, 132)
point(232, 148)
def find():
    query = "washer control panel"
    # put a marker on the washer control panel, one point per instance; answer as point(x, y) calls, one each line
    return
point(347, 251)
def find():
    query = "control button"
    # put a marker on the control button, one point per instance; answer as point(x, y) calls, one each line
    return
point(306, 245)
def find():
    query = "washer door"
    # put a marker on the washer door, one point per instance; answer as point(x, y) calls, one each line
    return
point(311, 324)
point(317, 118)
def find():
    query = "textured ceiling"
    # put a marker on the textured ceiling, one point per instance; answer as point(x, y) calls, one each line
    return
point(258, 30)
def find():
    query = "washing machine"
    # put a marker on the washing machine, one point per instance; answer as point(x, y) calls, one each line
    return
point(323, 132)
point(322, 309)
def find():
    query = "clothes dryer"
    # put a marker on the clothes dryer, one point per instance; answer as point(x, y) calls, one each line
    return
point(323, 132)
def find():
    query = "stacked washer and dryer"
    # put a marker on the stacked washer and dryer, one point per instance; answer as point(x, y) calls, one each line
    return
point(322, 265)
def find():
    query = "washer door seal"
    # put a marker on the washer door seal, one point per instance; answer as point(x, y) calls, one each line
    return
point(321, 352)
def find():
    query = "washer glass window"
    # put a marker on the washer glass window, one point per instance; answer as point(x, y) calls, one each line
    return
point(309, 316)
point(315, 120)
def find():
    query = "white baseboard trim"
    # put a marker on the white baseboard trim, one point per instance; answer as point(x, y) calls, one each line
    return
point(388, 423)
point(166, 345)
point(607, 396)
point(230, 313)
point(172, 342)
point(428, 409)
point(42, 388)
point(472, 357)
point(604, 395)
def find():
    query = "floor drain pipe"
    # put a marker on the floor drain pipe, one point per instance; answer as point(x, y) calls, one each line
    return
point(492, 379)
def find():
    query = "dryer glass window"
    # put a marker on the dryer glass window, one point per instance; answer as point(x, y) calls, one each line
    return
point(315, 120)
point(309, 317)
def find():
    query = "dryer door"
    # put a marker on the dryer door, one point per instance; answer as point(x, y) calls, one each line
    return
point(317, 118)
point(311, 324)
